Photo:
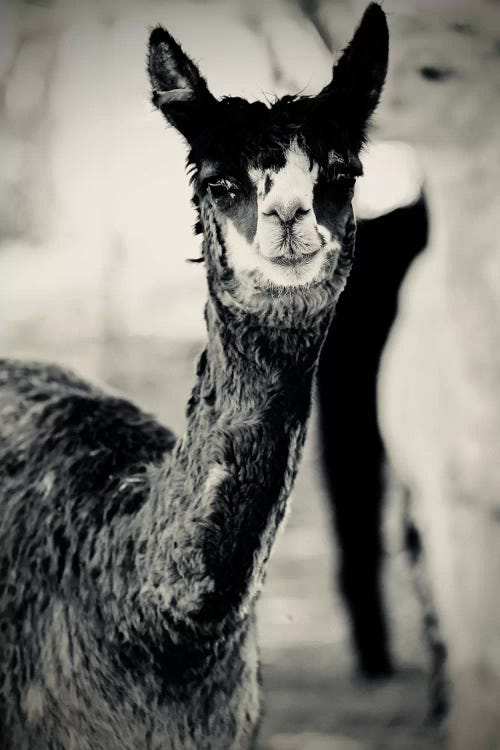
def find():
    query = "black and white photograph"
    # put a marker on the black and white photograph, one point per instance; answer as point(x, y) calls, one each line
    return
point(249, 375)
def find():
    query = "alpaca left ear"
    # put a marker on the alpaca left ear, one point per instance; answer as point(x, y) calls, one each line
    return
point(359, 75)
point(179, 89)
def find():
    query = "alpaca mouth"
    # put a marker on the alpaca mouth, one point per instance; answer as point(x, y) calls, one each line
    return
point(294, 261)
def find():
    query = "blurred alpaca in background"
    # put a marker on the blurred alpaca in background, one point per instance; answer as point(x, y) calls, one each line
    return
point(440, 413)
point(353, 453)
point(439, 396)
point(439, 384)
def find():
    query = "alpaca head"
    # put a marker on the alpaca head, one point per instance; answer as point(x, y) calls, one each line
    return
point(273, 183)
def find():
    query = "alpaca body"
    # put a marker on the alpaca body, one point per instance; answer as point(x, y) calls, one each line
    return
point(440, 413)
point(440, 374)
point(127, 615)
point(74, 672)
point(347, 378)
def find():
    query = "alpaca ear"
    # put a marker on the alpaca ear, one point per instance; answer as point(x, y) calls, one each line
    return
point(359, 75)
point(179, 89)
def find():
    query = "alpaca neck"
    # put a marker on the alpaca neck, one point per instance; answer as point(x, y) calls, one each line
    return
point(222, 494)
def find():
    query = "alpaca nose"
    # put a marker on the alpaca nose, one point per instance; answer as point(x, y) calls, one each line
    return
point(288, 211)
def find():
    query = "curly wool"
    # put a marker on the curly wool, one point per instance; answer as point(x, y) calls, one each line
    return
point(131, 562)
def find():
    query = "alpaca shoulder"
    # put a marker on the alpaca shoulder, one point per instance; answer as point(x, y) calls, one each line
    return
point(49, 410)
point(67, 444)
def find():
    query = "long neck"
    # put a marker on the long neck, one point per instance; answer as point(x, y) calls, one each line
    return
point(221, 496)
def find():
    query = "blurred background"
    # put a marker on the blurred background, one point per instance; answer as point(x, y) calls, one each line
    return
point(96, 227)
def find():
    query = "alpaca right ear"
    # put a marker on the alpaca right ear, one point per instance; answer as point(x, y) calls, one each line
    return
point(179, 89)
point(359, 76)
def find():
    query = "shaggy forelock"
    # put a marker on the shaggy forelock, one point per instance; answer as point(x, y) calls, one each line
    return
point(240, 134)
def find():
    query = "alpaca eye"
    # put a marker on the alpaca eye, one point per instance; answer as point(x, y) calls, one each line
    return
point(335, 174)
point(222, 189)
point(345, 180)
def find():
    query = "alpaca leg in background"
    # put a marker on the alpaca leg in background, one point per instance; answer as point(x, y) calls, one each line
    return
point(353, 460)
point(439, 687)
point(457, 572)
point(474, 618)
point(352, 447)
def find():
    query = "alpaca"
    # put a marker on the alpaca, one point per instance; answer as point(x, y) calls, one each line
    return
point(347, 378)
point(131, 561)
point(439, 394)
point(439, 406)
point(350, 434)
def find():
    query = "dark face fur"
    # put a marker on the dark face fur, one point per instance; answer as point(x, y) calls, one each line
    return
point(275, 180)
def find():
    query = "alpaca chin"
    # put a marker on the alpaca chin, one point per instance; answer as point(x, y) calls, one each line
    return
point(306, 274)
point(248, 259)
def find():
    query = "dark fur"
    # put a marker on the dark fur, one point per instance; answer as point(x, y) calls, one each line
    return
point(132, 562)
point(347, 380)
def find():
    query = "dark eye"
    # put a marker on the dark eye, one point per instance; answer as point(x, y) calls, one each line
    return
point(345, 180)
point(222, 188)
point(342, 178)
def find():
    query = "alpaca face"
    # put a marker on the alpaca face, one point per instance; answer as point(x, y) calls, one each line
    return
point(275, 182)
point(282, 221)
point(283, 243)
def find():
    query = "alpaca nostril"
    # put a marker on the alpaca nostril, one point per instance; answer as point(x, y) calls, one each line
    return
point(300, 212)
point(287, 214)
point(271, 213)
